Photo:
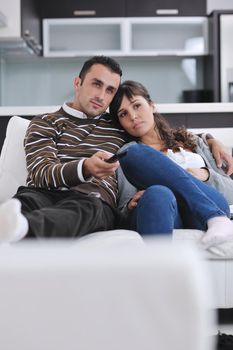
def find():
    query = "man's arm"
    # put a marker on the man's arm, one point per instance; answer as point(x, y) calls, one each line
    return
point(44, 165)
point(222, 158)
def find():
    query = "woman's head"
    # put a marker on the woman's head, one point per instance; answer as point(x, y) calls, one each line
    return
point(133, 108)
point(129, 89)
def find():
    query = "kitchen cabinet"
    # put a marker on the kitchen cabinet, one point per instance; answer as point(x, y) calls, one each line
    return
point(151, 8)
point(200, 120)
point(72, 37)
point(82, 8)
point(188, 119)
point(3, 20)
point(207, 120)
point(132, 36)
point(21, 29)
point(121, 8)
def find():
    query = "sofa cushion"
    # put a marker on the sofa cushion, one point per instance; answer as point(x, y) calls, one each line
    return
point(12, 161)
point(71, 297)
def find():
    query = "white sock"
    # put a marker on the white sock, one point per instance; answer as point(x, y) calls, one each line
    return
point(220, 230)
point(13, 224)
point(223, 250)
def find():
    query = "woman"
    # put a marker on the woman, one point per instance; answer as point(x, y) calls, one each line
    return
point(179, 184)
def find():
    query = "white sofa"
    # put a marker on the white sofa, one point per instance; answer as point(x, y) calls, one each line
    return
point(13, 174)
point(88, 296)
point(105, 291)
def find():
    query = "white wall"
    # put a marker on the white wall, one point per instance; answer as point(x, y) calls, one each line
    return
point(219, 5)
point(40, 81)
point(226, 54)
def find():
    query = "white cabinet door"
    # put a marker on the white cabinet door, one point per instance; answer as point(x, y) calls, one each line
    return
point(83, 37)
point(147, 36)
point(166, 36)
point(11, 11)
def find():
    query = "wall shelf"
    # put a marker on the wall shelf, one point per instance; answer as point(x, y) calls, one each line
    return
point(132, 36)
point(3, 20)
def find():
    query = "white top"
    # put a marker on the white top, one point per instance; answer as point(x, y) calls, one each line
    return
point(186, 159)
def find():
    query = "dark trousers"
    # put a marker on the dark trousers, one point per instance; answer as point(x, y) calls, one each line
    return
point(63, 214)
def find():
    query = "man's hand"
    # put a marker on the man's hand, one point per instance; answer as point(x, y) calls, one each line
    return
point(134, 201)
point(220, 154)
point(97, 167)
point(200, 173)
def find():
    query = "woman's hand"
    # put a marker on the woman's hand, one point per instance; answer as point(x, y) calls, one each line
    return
point(200, 173)
point(134, 201)
point(220, 154)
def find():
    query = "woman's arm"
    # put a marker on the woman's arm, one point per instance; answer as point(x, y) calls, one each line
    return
point(219, 153)
point(217, 178)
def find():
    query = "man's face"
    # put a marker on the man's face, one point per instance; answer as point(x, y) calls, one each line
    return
point(95, 92)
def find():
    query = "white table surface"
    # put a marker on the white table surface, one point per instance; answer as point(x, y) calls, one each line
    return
point(162, 108)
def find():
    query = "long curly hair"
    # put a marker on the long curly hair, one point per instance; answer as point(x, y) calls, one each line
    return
point(172, 138)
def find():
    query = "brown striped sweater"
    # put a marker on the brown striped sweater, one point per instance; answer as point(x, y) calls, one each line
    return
point(55, 145)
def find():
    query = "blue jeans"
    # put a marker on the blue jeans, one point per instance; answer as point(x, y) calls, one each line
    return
point(173, 198)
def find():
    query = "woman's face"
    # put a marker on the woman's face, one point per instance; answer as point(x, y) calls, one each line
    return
point(136, 116)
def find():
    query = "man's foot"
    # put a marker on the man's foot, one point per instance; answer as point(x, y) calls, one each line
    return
point(13, 224)
point(220, 230)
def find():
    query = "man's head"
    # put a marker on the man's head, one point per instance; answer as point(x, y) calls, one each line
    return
point(96, 85)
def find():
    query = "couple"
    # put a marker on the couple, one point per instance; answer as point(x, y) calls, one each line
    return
point(71, 190)
point(179, 184)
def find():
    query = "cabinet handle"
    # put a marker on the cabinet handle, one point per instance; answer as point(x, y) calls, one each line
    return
point(167, 12)
point(84, 12)
point(32, 42)
point(3, 20)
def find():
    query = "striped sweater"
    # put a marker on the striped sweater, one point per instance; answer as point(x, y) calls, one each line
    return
point(55, 144)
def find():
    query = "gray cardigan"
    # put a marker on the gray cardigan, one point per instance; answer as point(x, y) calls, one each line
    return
point(218, 179)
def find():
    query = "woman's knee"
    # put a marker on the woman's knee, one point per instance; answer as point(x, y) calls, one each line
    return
point(157, 195)
point(139, 153)
point(156, 211)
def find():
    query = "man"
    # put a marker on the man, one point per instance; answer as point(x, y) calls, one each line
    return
point(71, 190)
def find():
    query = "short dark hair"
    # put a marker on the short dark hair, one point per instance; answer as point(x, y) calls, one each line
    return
point(108, 62)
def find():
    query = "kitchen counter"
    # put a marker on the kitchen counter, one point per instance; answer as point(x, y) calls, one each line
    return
point(195, 108)
point(26, 110)
point(162, 108)
point(195, 116)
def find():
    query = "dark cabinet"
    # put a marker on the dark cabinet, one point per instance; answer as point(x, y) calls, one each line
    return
point(82, 8)
point(200, 120)
point(150, 8)
point(207, 120)
point(31, 24)
point(121, 8)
